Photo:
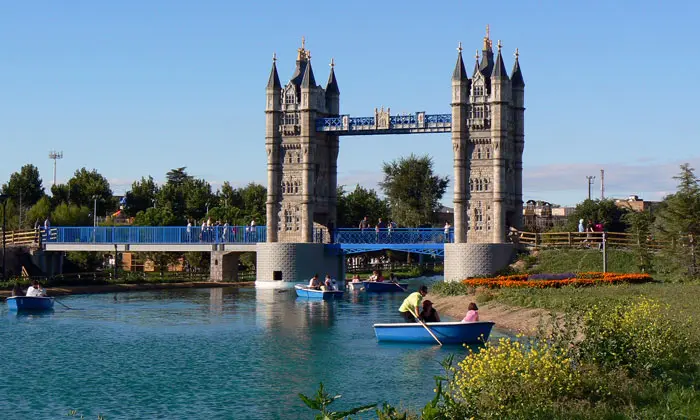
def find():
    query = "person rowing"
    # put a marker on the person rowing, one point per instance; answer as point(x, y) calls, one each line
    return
point(410, 308)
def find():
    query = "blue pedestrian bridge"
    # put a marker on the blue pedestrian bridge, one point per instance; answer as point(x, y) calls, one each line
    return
point(237, 238)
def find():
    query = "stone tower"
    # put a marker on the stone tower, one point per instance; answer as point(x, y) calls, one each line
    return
point(301, 163)
point(487, 138)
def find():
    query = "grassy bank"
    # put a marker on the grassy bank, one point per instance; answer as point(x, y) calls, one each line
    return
point(577, 260)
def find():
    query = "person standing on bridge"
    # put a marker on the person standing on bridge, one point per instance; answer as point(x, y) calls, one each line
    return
point(364, 223)
point(189, 230)
point(447, 231)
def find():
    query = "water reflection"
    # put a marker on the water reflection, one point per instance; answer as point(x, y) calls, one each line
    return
point(216, 300)
point(316, 313)
point(30, 315)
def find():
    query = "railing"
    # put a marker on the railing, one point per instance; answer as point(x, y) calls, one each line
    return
point(157, 235)
point(21, 237)
point(419, 122)
point(587, 239)
point(394, 236)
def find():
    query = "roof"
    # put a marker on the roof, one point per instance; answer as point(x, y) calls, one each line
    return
point(332, 86)
point(499, 69)
point(517, 75)
point(309, 80)
point(459, 73)
point(274, 80)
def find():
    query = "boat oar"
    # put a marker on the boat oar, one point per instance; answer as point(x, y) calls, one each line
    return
point(399, 286)
point(424, 326)
point(63, 304)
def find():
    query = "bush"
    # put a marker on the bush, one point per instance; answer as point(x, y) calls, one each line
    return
point(640, 336)
point(511, 378)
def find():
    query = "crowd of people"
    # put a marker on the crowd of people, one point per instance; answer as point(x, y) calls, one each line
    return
point(213, 231)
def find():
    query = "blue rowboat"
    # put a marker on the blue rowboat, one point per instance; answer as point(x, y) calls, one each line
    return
point(446, 332)
point(384, 287)
point(29, 303)
point(304, 291)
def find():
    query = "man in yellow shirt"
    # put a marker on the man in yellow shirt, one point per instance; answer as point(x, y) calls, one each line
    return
point(411, 305)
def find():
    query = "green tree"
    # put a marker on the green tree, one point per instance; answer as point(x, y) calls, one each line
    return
point(85, 186)
point(639, 224)
point(60, 193)
point(413, 190)
point(361, 202)
point(198, 198)
point(159, 216)
point(678, 221)
point(26, 184)
point(254, 202)
point(177, 176)
point(598, 211)
point(229, 196)
point(39, 212)
point(141, 196)
point(71, 215)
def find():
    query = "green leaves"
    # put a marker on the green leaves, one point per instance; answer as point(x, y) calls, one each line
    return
point(413, 190)
point(323, 399)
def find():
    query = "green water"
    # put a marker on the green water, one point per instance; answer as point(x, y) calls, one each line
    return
point(207, 354)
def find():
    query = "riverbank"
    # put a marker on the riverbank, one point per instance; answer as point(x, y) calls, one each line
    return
point(113, 288)
point(513, 318)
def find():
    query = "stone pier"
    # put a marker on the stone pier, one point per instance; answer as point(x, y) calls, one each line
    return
point(281, 264)
point(471, 260)
point(224, 266)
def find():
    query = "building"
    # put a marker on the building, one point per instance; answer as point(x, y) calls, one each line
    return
point(541, 215)
point(634, 203)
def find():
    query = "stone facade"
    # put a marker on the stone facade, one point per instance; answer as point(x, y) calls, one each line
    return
point(293, 262)
point(470, 260)
point(302, 163)
point(224, 266)
point(488, 141)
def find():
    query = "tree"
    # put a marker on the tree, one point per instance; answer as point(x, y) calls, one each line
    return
point(141, 197)
point(254, 202)
point(639, 225)
point(198, 198)
point(158, 216)
point(71, 215)
point(177, 176)
point(678, 221)
point(413, 190)
point(598, 211)
point(359, 203)
point(25, 184)
point(85, 186)
point(39, 212)
point(229, 196)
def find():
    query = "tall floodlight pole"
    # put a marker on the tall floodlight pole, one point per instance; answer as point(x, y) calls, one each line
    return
point(55, 156)
point(602, 184)
point(590, 179)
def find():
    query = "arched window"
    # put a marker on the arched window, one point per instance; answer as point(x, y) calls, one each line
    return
point(296, 187)
point(290, 97)
point(488, 152)
point(471, 185)
point(486, 184)
point(478, 152)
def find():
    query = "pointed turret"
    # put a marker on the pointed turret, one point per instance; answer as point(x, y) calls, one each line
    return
point(460, 73)
point(517, 75)
point(476, 64)
point(274, 81)
point(309, 81)
point(303, 56)
point(486, 66)
point(499, 69)
point(332, 85)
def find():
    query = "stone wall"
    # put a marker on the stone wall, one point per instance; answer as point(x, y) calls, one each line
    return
point(224, 266)
point(297, 262)
point(470, 260)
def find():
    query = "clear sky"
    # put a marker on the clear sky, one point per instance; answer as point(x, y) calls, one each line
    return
point(137, 87)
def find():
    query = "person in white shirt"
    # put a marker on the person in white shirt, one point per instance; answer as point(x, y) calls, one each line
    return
point(35, 290)
point(314, 283)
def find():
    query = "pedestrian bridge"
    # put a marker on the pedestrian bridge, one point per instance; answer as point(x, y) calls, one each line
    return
point(236, 238)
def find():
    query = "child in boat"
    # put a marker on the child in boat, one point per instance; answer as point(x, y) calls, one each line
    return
point(328, 283)
point(373, 277)
point(472, 313)
point(429, 314)
point(356, 278)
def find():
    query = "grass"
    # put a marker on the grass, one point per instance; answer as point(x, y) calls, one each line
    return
point(577, 260)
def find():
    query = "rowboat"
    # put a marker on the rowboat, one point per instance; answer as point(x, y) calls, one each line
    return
point(29, 303)
point(384, 287)
point(446, 332)
point(305, 292)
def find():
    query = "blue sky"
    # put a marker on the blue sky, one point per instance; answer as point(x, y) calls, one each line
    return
point(134, 88)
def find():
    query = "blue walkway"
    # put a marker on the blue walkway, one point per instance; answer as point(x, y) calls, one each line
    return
point(351, 241)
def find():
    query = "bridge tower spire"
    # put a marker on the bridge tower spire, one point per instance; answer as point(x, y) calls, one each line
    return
point(503, 169)
point(273, 141)
point(460, 142)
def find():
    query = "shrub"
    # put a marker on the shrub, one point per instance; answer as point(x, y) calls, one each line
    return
point(512, 378)
point(640, 336)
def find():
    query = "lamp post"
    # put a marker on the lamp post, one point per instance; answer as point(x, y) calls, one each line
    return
point(3, 198)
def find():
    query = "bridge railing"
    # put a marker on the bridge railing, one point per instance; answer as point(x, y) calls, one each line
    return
point(394, 236)
point(157, 235)
point(21, 237)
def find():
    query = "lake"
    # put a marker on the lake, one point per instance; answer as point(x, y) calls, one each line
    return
point(237, 353)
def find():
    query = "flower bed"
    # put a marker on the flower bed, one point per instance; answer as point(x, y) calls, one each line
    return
point(557, 280)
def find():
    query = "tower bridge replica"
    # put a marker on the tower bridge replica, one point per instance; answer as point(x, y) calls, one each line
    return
point(303, 128)
point(304, 125)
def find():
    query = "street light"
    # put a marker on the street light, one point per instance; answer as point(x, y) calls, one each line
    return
point(3, 198)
